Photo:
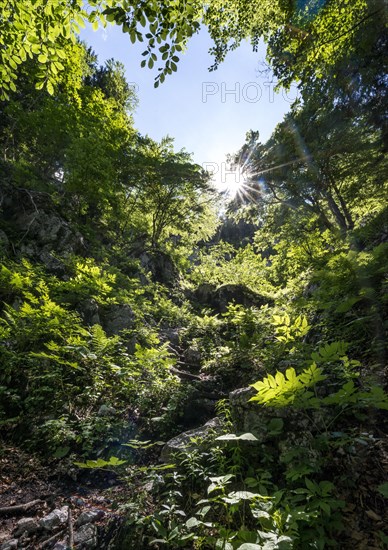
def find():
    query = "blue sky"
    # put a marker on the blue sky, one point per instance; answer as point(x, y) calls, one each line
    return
point(207, 113)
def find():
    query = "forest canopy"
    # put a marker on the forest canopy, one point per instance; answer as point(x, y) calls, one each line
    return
point(248, 342)
point(304, 39)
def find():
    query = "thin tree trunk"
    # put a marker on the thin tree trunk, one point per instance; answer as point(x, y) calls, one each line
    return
point(344, 207)
point(339, 217)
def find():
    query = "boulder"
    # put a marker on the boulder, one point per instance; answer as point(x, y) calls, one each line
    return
point(183, 441)
point(198, 408)
point(251, 417)
point(88, 309)
point(246, 416)
point(38, 227)
point(86, 536)
point(219, 298)
point(9, 544)
point(52, 264)
point(89, 516)
point(171, 335)
point(29, 525)
point(48, 231)
point(57, 517)
point(160, 265)
point(117, 317)
point(193, 357)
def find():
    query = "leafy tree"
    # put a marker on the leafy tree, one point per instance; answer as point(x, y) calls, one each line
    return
point(42, 31)
point(71, 144)
point(165, 189)
point(110, 78)
point(308, 163)
point(305, 39)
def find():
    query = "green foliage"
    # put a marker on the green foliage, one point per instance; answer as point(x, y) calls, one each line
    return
point(65, 386)
point(45, 33)
point(89, 281)
point(100, 463)
point(292, 389)
point(286, 331)
point(222, 264)
point(72, 159)
point(167, 195)
point(281, 390)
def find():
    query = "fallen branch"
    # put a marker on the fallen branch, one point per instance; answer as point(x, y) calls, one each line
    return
point(185, 375)
point(71, 530)
point(48, 541)
point(19, 508)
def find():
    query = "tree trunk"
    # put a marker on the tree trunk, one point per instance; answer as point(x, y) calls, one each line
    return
point(344, 207)
point(339, 217)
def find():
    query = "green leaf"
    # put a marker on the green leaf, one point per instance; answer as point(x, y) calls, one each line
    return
point(325, 507)
point(50, 88)
point(192, 522)
point(60, 452)
point(311, 486)
point(383, 489)
point(100, 463)
point(275, 425)
point(236, 496)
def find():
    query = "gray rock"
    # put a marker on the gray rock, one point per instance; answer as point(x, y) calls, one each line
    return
point(60, 546)
point(89, 516)
point(184, 440)
point(106, 410)
point(160, 265)
point(57, 517)
point(117, 317)
point(86, 536)
point(88, 309)
point(171, 335)
point(197, 409)
point(251, 417)
point(29, 525)
point(204, 293)
point(193, 357)
point(4, 241)
point(248, 417)
point(219, 298)
point(38, 226)
point(50, 232)
point(52, 263)
point(9, 544)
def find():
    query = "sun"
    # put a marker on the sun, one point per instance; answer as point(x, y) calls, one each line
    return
point(233, 181)
point(229, 179)
point(234, 177)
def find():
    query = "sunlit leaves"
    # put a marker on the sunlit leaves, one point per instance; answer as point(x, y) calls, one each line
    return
point(288, 331)
point(100, 463)
point(282, 390)
point(41, 30)
point(169, 28)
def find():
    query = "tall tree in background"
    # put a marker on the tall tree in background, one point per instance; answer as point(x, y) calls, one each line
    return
point(165, 191)
point(314, 160)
